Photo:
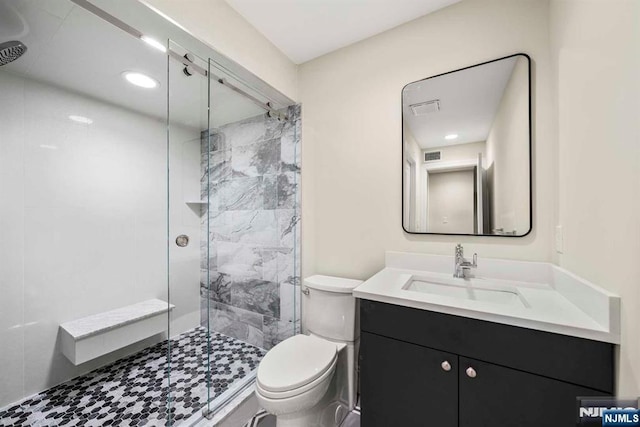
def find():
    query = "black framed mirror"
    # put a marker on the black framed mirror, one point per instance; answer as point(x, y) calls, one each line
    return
point(466, 151)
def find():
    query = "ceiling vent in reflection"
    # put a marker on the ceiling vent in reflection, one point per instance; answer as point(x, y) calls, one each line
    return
point(427, 107)
point(431, 156)
point(10, 51)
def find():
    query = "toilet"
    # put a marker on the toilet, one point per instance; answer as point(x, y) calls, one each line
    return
point(310, 380)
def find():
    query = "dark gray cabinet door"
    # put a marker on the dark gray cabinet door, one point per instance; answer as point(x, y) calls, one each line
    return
point(500, 396)
point(406, 385)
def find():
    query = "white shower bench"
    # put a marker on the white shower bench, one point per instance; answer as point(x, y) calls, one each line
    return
point(93, 336)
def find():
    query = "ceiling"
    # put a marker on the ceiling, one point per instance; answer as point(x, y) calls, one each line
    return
point(469, 100)
point(306, 29)
point(71, 48)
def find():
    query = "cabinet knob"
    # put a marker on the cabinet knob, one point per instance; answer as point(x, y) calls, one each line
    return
point(471, 373)
point(446, 366)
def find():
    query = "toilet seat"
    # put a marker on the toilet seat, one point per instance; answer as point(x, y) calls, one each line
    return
point(315, 388)
point(296, 365)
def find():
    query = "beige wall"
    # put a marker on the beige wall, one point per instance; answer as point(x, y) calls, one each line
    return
point(217, 24)
point(508, 155)
point(451, 202)
point(411, 146)
point(352, 125)
point(413, 151)
point(596, 52)
point(460, 152)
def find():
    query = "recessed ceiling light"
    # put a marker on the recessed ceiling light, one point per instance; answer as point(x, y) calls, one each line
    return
point(451, 136)
point(81, 119)
point(141, 80)
point(153, 42)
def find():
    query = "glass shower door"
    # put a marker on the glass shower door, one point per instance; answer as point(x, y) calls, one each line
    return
point(251, 293)
point(233, 233)
point(188, 349)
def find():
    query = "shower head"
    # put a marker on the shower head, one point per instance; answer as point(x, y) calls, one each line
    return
point(10, 51)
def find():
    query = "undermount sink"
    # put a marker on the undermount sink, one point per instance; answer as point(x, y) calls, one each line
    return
point(474, 290)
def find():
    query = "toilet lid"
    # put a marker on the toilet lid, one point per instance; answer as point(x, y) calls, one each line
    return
point(295, 362)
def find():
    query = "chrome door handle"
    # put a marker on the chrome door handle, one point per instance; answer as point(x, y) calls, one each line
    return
point(471, 373)
point(446, 366)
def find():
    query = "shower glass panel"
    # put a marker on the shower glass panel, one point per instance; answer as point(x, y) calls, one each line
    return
point(83, 220)
point(187, 117)
point(233, 192)
point(254, 164)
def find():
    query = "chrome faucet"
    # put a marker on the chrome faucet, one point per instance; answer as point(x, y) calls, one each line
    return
point(462, 266)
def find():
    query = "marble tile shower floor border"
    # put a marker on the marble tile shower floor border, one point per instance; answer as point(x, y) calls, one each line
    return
point(133, 391)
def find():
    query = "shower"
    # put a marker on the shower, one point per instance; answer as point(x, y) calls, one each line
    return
point(126, 171)
point(10, 51)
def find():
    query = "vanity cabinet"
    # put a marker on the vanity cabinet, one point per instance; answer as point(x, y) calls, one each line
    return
point(403, 384)
point(499, 396)
point(420, 368)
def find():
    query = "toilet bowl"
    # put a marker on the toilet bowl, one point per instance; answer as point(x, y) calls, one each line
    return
point(296, 376)
point(310, 380)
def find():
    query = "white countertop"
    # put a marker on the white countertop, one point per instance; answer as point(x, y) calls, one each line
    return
point(554, 300)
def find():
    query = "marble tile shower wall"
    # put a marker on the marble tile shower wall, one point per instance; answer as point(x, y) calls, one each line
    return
point(251, 244)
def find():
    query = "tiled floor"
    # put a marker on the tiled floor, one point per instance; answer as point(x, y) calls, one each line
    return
point(133, 391)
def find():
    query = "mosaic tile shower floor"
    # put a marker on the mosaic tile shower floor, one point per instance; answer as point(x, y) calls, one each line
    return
point(132, 390)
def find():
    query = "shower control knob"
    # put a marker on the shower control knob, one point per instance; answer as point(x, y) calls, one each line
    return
point(471, 373)
point(182, 240)
point(446, 366)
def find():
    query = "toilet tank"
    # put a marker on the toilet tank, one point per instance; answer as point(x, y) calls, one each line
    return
point(329, 308)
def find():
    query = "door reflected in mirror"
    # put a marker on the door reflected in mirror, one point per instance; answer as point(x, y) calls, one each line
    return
point(467, 151)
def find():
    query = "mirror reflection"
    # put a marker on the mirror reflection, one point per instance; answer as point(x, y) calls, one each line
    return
point(466, 151)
